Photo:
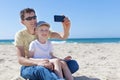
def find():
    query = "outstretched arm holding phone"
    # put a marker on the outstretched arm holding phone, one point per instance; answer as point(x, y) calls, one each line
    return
point(66, 27)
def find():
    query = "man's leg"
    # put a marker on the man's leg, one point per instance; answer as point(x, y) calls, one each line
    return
point(37, 73)
point(72, 65)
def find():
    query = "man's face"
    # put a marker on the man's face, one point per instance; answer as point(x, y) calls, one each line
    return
point(30, 20)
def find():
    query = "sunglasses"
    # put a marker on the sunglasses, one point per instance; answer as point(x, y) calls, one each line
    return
point(30, 18)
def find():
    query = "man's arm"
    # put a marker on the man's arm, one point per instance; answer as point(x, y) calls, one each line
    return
point(65, 34)
point(31, 61)
point(21, 57)
point(28, 61)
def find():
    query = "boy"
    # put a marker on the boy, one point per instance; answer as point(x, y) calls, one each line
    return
point(42, 48)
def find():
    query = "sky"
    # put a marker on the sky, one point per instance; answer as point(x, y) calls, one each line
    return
point(89, 18)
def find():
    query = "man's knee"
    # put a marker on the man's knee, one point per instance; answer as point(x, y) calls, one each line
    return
point(73, 65)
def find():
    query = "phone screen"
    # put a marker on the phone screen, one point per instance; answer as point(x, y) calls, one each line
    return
point(59, 18)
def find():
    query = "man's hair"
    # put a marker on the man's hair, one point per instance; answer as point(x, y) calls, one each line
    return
point(26, 10)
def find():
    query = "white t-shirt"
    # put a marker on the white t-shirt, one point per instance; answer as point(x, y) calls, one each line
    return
point(41, 50)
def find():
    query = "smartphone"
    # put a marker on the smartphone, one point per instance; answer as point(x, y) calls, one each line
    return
point(59, 18)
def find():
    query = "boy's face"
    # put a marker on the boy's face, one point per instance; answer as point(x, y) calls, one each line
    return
point(42, 32)
point(30, 20)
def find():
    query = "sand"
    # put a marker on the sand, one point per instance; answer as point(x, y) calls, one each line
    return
point(97, 61)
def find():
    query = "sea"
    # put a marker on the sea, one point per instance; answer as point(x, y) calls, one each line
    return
point(71, 40)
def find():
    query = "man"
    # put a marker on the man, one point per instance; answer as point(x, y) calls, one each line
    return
point(36, 69)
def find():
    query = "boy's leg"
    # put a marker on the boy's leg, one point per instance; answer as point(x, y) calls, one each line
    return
point(72, 65)
point(57, 67)
point(66, 71)
point(37, 73)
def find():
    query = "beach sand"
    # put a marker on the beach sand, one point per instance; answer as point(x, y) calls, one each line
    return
point(99, 61)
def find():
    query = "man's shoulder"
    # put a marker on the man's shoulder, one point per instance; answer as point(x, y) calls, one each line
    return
point(20, 34)
point(21, 31)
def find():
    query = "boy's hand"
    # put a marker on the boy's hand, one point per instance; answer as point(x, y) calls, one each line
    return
point(68, 58)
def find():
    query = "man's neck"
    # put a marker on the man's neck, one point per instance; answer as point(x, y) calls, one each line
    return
point(31, 32)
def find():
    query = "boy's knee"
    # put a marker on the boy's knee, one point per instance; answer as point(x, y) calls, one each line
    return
point(55, 60)
point(63, 63)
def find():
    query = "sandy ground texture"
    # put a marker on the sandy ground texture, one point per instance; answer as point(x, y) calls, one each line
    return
point(96, 61)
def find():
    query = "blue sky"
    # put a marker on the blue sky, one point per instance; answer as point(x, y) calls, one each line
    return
point(89, 18)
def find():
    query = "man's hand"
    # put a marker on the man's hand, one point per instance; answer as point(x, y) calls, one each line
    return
point(66, 27)
point(46, 63)
point(66, 24)
point(49, 66)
